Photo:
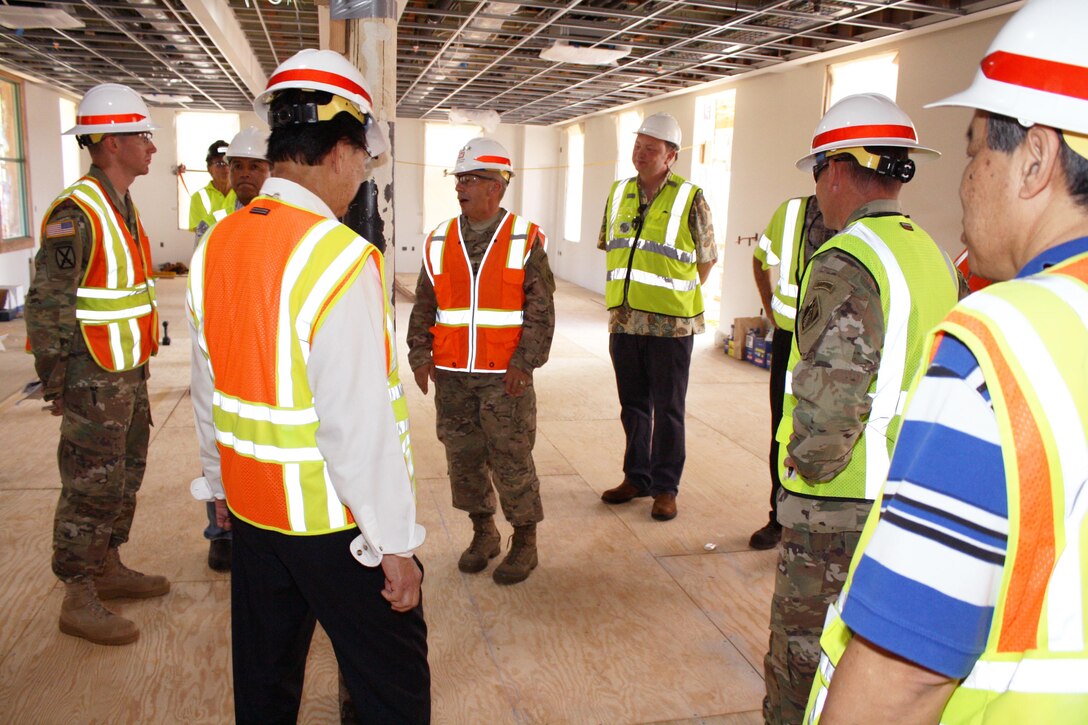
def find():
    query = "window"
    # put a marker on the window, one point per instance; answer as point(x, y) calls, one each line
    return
point(627, 125)
point(69, 149)
point(441, 142)
point(712, 169)
point(875, 74)
point(195, 133)
point(14, 218)
point(572, 214)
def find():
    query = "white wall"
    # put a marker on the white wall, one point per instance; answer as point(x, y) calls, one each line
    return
point(776, 113)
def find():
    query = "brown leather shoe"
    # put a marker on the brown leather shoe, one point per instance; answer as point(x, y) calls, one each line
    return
point(664, 507)
point(623, 493)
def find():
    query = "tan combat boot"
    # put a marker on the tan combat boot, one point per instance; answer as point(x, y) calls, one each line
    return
point(486, 544)
point(82, 615)
point(522, 557)
point(117, 580)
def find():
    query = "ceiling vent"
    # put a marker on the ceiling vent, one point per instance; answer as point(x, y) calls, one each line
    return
point(22, 18)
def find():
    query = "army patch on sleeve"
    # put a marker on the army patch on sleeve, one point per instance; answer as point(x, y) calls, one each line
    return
point(809, 316)
point(64, 256)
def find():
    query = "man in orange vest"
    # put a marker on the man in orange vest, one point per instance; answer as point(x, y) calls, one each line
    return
point(92, 326)
point(301, 416)
point(482, 322)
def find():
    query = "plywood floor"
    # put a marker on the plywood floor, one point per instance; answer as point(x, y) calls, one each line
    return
point(626, 620)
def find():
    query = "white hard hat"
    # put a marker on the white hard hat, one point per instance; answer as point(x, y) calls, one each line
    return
point(661, 126)
point(111, 108)
point(1035, 69)
point(481, 154)
point(323, 70)
point(249, 143)
point(864, 119)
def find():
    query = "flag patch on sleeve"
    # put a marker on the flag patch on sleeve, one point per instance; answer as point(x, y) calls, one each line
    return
point(63, 228)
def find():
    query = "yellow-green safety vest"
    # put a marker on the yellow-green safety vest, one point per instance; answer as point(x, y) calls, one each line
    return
point(663, 277)
point(918, 286)
point(1030, 337)
point(782, 244)
point(210, 205)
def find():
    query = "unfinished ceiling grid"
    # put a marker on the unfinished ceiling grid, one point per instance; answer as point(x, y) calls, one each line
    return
point(460, 54)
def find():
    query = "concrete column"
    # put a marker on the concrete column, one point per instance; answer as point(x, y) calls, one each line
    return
point(366, 33)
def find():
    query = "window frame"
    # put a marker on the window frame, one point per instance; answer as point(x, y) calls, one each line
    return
point(14, 244)
point(572, 219)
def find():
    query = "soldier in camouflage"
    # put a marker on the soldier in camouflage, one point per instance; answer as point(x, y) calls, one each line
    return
point(486, 404)
point(843, 337)
point(653, 292)
point(103, 403)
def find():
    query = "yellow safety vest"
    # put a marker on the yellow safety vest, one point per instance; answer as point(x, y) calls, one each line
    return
point(918, 286)
point(209, 205)
point(782, 244)
point(1030, 337)
point(663, 277)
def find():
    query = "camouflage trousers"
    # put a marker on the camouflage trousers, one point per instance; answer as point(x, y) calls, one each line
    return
point(812, 569)
point(102, 456)
point(489, 438)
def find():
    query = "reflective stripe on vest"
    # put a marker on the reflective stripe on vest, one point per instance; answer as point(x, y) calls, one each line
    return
point(115, 302)
point(273, 472)
point(1030, 338)
point(926, 297)
point(787, 225)
point(660, 274)
point(479, 316)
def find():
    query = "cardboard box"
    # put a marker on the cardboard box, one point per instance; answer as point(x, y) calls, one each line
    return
point(741, 326)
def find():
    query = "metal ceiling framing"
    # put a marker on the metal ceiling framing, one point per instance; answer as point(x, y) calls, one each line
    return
point(487, 55)
point(156, 47)
point(460, 54)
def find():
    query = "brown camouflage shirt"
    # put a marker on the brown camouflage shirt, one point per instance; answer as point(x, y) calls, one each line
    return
point(58, 269)
point(539, 285)
point(627, 321)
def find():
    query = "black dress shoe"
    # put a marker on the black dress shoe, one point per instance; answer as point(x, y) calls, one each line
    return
point(219, 554)
point(767, 537)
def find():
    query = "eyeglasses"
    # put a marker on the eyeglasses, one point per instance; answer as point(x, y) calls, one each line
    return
point(470, 179)
point(144, 136)
point(219, 164)
point(819, 169)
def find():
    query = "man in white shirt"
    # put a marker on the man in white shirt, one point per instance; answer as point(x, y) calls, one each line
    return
point(301, 417)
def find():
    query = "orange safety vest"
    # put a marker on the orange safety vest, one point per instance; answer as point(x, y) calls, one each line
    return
point(115, 301)
point(478, 322)
point(261, 286)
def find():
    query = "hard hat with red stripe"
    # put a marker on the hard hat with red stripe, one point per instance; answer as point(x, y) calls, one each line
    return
point(864, 119)
point(111, 108)
point(1036, 71)
point(322, 70)
point(483, 154)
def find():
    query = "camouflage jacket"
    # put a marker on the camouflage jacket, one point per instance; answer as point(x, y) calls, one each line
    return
point(627, 321)
point(51, 327)
point(539, 285)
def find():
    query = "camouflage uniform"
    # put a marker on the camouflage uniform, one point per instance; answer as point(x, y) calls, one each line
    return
point(840, 330)
point(489, 435)
point(106, 424)
point(652, 373)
